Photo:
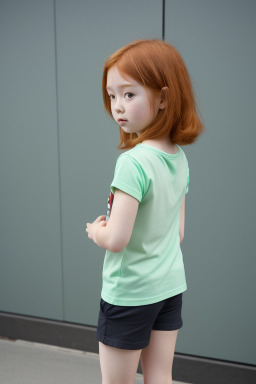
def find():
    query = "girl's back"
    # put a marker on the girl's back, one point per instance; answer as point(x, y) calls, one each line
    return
point(150, 268)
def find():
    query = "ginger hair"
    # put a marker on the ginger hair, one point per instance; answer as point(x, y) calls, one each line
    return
point(156, 64)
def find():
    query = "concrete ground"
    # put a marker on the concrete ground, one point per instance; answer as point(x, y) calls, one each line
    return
point(23, 362)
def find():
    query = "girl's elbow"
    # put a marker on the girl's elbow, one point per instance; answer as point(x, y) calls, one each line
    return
point(114, 249)
point(116, 246)
point(119, 240)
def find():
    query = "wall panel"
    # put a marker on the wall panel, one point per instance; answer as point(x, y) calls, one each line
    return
point(217, 42)
point(30, 265)
point(88, 32)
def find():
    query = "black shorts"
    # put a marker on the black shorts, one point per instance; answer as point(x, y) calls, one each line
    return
point(129, 327)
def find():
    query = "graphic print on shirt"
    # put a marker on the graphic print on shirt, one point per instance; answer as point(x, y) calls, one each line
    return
point(110, 203)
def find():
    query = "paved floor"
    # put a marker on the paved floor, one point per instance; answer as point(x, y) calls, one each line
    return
point(23, 362)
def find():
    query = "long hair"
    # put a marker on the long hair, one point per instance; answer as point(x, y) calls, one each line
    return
point(156, 64)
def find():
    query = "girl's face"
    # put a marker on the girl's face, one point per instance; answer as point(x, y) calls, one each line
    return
point(130, 102)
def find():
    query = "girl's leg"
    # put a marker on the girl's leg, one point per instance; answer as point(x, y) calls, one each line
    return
point(157, 357)
point(118, 366)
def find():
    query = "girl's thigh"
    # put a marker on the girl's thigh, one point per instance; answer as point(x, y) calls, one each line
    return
point(157, 357)
point(118, 366)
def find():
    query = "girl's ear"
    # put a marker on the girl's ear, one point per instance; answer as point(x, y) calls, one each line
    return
point(162, 104)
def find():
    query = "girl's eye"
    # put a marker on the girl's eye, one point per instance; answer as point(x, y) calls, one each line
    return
point(129, 93)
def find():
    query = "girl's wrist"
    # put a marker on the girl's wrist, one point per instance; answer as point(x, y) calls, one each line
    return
point(101, 237)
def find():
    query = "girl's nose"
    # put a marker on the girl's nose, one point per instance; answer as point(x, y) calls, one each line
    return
point(119, 105)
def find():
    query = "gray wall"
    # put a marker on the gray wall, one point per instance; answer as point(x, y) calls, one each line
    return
point(58, 152)
point(217, 41)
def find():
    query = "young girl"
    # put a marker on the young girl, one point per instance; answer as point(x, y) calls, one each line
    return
point(148, 92)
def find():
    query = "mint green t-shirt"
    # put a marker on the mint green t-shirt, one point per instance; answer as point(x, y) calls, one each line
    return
point(150, 268)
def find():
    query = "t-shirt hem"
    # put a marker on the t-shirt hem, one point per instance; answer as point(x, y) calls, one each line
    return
point(127, 189)
point(136, 302)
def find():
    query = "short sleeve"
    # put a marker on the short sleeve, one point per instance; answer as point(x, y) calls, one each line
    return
point(187, 182)
point(128, 177)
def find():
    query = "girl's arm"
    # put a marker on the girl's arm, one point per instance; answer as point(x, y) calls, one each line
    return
point(102, 237)
point(93, 228)
point(117, 233)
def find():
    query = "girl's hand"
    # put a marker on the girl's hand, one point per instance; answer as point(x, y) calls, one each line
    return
point(93, 227)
